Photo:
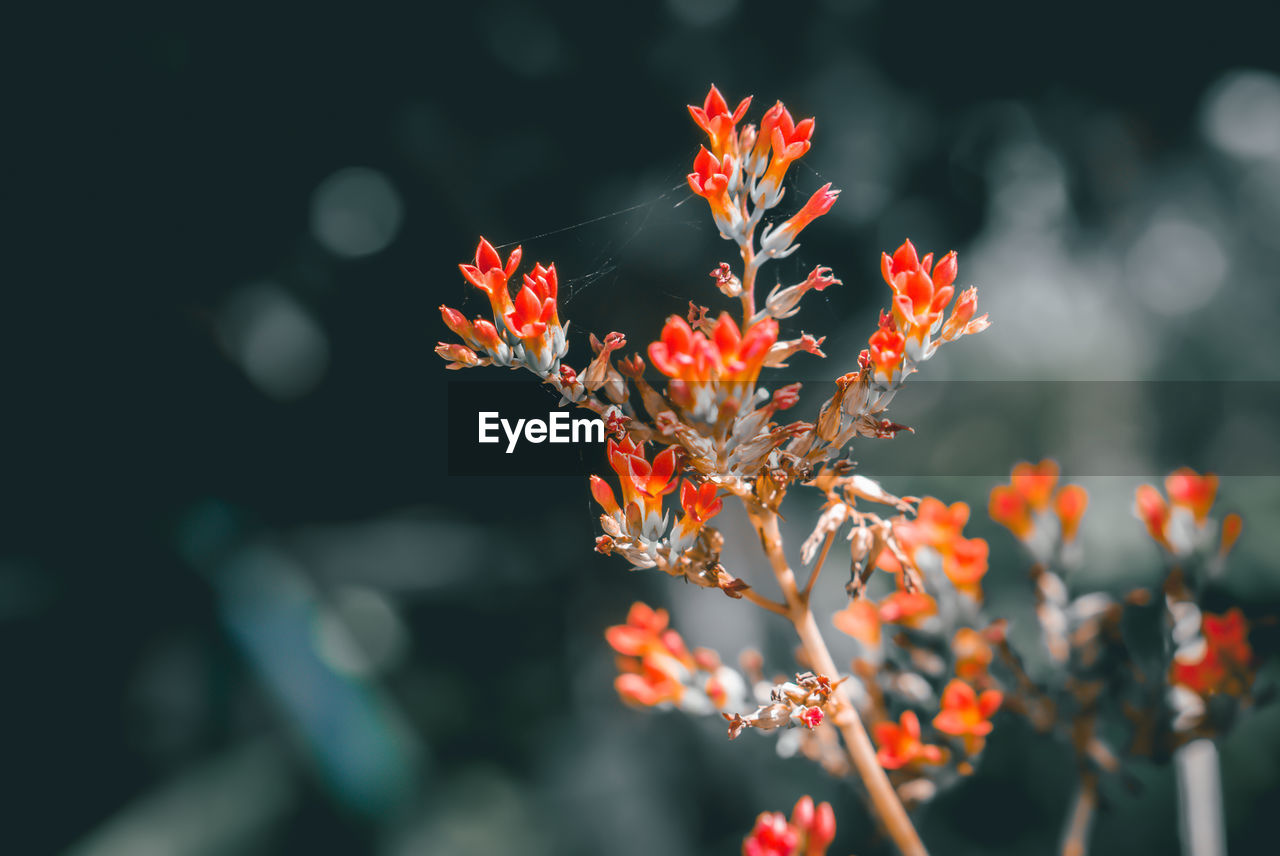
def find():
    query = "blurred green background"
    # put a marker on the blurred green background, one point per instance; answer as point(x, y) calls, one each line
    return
point(243, 608)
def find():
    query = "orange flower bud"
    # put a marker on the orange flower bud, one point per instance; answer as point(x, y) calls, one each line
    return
point(1069, 503)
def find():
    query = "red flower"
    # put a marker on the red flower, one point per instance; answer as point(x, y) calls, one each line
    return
point(772, 836)
point(642, 632)
point(973, 653)
point(1222, 662)
point(1029, 490)
point(888, 346)
point(1009, 508)
point(1192, 491)
point(778, 240)
point(861, 620)
point(965, 564)
point(650, 686)
point(962, 322)
point(688, 355)
point(921, 293)
point(1035, 482)
point(1069, 503)
point(900, 744)
point(937, 523)
point(530, 316)
point(710, 179)
point(909, 608)
point(1153, 511)
point(603, 494)
point(811, 717)
point(1228, 634)
point(788, 141)
point(714, 118)
point(490, 276)
point(1232, 526)
point(700, 503)
point(544, 284)
point(965, 713)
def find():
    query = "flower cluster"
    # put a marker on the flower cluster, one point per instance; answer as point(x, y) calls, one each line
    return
point(809, 832)
point(657, 669)
point(921, 295)
point(792, 703)
point(525, 330)
point(1181, 524)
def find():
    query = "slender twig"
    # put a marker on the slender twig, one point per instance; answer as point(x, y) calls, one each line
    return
point(766, 603)
point(884, 799)
point(813, 575)
point(1075, 837)
point(1200, 799)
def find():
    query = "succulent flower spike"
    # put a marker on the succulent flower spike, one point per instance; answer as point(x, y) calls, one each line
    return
point(714, 118)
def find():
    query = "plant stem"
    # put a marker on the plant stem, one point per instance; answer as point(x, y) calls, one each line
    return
point(1075, 838)
point(813, 575)
point(766, 603)
point(884, 799)
point(1200, 799)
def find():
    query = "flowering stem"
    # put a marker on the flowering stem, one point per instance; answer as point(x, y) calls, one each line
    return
point(1075, 839)
point(884, 799)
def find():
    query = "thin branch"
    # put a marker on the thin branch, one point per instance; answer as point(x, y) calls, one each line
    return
point(1075, 837)
point(884, 799)
point(813, 575)
point(766, 603)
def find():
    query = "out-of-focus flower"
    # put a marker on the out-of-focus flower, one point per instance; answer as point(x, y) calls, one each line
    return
point(1220, 660)
point(1192, 491)
point(1035, 482)
point(1069, 503)
point(1023, 504)
point(965, 564)
point(972, 652)
point(772, 836)
point(1180, 524)
point(967, 714)
point(861, 620)
point(911, 608)
point(656, 667)
point(809, 832)
point(900, 744)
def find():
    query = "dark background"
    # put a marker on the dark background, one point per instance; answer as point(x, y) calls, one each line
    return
point(243, 609)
